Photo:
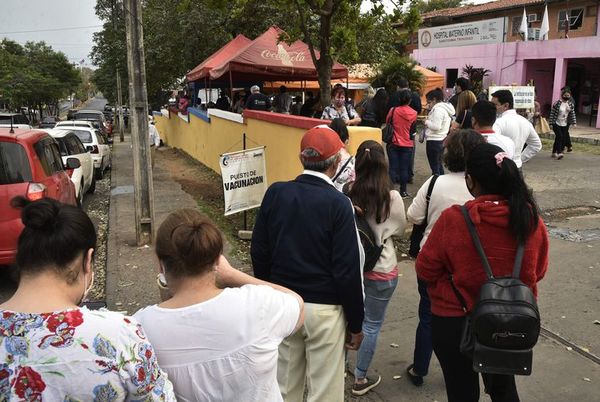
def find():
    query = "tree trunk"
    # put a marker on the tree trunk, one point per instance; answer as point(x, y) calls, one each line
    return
point(324, 71)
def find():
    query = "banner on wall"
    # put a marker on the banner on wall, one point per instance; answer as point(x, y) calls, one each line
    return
point(524, 96)
point(244, 175)
point(463, 34)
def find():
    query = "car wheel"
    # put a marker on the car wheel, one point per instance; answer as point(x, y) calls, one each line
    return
point(92, 186)
point(98, 173)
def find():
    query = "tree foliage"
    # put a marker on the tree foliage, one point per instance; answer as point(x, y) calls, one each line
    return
point(395, 68)
point(426, 6)
point(34, 75)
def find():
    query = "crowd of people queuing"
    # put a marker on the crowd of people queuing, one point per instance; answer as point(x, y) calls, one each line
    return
point(283, 334)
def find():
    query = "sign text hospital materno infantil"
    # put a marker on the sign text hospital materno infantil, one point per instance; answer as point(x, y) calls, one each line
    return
point(463, 34)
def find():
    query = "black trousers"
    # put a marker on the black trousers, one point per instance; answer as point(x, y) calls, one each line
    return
point(560, 138)
point(462, 383)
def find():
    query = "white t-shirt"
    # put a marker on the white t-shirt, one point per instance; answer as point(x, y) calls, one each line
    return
point(449, 189)
point(563, 113)
point(521, 131)
point(224, 349)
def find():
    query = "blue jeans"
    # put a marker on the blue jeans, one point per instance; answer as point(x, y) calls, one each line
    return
point(399, 164)
point(377, 298)
point(423, 344)
point(434, 151)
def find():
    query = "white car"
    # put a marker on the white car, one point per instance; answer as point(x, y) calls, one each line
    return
point(74, 123)
point(95, 142)
point(70, 146)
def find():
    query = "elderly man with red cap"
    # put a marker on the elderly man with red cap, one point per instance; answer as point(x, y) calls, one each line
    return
point(305, 239)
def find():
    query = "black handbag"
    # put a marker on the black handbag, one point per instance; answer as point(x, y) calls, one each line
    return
point(499, 333)
point(387, 134)
point(418, 231)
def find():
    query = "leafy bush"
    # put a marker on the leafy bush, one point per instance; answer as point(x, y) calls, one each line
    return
point(393, 69)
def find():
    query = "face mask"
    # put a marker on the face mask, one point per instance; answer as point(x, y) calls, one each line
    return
point(86, 288)
point(339, 102)
point(566, 98)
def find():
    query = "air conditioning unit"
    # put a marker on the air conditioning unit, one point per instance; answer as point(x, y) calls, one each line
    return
point(533, 33)
point(533, 18)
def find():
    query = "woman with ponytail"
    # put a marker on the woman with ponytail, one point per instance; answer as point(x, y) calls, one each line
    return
point(50, 348)
point(504, 214)
point(384, 210)
point(218, 333)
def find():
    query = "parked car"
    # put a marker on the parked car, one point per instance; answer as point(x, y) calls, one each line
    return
point(30, 166)
point(94, 115)
point(77, 123)
point(49, 122)
point(16, 120)
point(70, 146)
point(96, 143)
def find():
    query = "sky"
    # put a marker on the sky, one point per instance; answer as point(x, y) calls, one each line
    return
point(48, 20)
point(66, 25)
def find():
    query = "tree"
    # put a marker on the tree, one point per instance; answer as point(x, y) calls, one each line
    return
point(396, 67)
point(426, 6)
point(34, 75)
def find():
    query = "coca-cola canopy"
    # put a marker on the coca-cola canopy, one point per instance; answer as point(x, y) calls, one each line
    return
point(267, 59)
point(217, 58)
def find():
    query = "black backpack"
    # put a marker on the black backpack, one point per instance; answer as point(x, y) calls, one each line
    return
point(504, 325)
point(367, 239)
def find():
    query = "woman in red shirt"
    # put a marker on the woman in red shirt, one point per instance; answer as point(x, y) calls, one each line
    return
point(401, 149)
point(504, 213)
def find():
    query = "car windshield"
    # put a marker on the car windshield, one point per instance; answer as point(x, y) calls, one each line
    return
point(14, 164)
point(62, 146)
point(84, 136)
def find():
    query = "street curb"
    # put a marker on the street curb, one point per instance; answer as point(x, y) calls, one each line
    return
point(581, 140)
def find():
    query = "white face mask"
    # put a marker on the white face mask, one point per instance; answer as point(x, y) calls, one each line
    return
point(86, 288)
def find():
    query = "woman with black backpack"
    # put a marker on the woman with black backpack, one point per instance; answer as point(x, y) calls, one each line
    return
point(384, 211)
point(504, 215)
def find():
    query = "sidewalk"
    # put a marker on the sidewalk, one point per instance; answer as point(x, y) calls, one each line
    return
point(558, 374)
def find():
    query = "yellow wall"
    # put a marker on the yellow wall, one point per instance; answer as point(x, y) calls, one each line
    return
point(205, 141)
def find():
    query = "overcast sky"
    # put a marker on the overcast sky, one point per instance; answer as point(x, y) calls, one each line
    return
point(48, 20)
point(66, 25)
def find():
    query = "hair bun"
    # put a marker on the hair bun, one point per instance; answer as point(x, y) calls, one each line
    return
point(40, 215)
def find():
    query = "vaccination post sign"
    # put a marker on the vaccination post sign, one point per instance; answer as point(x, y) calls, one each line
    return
point(244, 179)
point(463, 34)
point(524, 96)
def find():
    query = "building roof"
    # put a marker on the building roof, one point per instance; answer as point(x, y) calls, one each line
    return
point(480, 8)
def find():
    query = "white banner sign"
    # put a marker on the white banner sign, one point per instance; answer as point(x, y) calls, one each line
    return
point(463, 34)
point(244, 176)
point(524, 97)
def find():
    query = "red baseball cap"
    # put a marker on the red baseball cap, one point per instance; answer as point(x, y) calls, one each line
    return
point(322, 140)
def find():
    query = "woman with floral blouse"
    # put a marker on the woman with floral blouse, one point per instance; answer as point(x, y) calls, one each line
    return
point(53, 350)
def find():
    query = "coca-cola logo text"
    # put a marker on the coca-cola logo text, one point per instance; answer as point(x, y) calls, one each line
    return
point(284, 56)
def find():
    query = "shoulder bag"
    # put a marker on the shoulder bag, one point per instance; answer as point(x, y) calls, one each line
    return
point(418, 231)
point(387, 134)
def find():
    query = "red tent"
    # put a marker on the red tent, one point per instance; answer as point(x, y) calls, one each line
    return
point(266, 59)
point(217, 58)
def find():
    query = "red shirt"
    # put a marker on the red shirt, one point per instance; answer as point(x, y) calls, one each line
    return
point(404, 117)
point(449, 249)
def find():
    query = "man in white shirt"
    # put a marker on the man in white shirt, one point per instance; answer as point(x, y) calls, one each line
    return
point(483, 117)
point(516, 127)
point(154, 139)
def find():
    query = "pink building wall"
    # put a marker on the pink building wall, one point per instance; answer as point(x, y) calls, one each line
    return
point(510, 62)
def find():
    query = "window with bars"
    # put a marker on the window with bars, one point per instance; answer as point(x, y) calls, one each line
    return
point(575, 17)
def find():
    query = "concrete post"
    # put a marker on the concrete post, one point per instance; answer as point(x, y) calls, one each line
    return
point(560, 76)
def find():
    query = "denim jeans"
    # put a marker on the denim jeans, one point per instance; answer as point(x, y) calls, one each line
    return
point(399, 164)
point(434, 151)
point(423, 346)
point(377, 298)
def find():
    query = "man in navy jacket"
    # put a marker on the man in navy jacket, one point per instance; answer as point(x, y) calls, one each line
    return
point(305, 238)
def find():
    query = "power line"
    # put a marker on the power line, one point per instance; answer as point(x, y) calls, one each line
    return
point(51, 30)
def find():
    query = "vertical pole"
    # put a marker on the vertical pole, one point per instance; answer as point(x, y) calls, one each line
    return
point(119, 108)
point(138, 98)
point(231, 88)
point(245, 212)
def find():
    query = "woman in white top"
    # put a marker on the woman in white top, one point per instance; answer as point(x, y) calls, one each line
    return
point(371, 195)
point(438, 124)
point(448, 190)
point(50, 348)
point(345, 173)
point(217, 336)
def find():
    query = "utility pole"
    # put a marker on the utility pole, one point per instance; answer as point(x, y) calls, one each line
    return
point(138, 98)
point(119, 108)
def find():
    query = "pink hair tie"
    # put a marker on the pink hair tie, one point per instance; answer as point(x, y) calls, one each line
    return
point(500, 157)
